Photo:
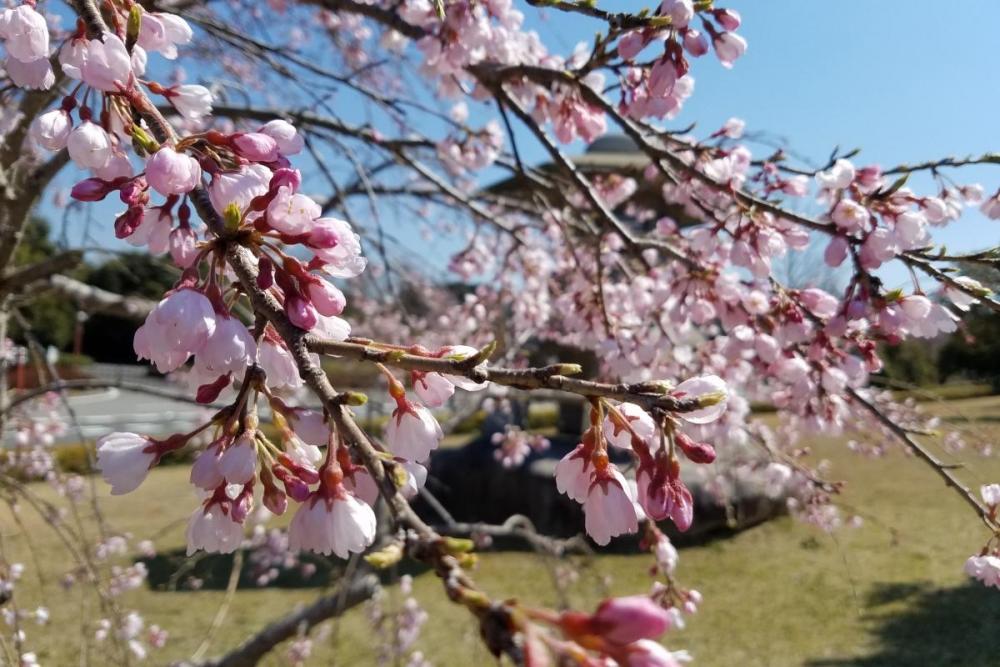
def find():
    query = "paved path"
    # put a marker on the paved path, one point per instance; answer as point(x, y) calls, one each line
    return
point(101, 412)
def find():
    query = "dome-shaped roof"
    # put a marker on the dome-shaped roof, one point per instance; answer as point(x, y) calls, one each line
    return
point(613, 143)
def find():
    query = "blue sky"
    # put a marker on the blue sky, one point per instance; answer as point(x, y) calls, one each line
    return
point(903, 80)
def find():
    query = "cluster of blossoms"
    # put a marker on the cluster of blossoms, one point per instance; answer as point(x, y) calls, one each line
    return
point(621, 631)
point(660, 91)
point(611, 505)
point(25, 36)
point(35, 428)
point(514, 446)
point(807, 351)
point(985, 566)
point(399, 628)
point(132, 631)
point(15, 618)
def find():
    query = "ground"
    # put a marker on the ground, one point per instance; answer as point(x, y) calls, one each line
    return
point(890, 592)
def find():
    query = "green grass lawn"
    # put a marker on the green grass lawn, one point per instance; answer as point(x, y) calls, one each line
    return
point(891, 592)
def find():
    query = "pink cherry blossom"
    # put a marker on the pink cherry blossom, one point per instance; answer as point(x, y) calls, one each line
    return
point(412, 432)
point(107, 65)
point(836, 251)
point(332, 328)
point(311, 426)
point(663, 495)
point(238, 463)
point(990, 494)
point(640, 422)
point(648, 653)
point(326, 297)
point(729, 47)
point(609, 510)
point(849, 215)
point(820, 303)
point(289, 141)
point(291, 212)
point(192, 101)
point(433, 389)
point(838, 177)
point(154, 231)
point(338, 247)
point(89, 145)
point(703, 386)
point(729, 19)
point(680, 12)
point(695, 42)
point(206, 472)
point(25, 33)
point(573, 474)
point(339, 525)
point(985, 569)
point(213, 530)
point(34, 75)
point(628, 619)
point(162, 32)
point(961, 299)
point(124, 460)
point(255, 146)
point(51, 129)
point(172, 173)
point(238, 187)
point(991, 207)
point(178, 327)
point(279, 365)
point(229, 348)
point(183, 248)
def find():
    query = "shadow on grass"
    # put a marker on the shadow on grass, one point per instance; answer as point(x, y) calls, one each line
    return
point(953, 626)
point(173, 571)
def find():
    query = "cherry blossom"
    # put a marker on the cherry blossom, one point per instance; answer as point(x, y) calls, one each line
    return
point(339, 524)
point(609, 508)
point(172, 173)
point(412, 432)
point(124, 460)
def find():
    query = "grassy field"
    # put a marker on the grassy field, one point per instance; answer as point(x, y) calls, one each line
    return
point(888, 593)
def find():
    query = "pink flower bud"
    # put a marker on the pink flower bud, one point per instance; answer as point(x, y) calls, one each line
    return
point(631, 44)
point(295, 488)
point(124, 459)
point(89, 146)
point(208, 393)
point(695, 42)
point(107, 65)
point(183, 249)
point(172, 173)
point(191, 101)
point(25, 33)
point(300, 312)
point(836, 251)
point(729, 47)
point(91, 189)
point(287, 138)
point(729, 19)
point(51, 129)
point(275, 500)
point(255, 146)
point(326, 298)
point(129, 221)
point(697, 452)
point(628, 619)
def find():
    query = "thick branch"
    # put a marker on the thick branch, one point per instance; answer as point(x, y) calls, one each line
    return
point(96, 300)
point(250, 652)
point(549, 377)
point(21, 277)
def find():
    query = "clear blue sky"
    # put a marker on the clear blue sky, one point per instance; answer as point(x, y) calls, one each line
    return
point(905, 80)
